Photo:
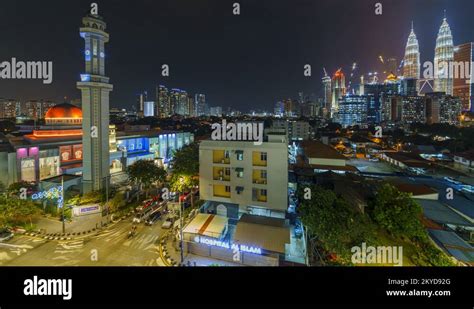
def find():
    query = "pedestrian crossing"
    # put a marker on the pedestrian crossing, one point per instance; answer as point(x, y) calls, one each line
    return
point(19, 245)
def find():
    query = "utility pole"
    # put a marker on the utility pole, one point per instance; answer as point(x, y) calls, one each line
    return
point(62, 203)
point(181, 228)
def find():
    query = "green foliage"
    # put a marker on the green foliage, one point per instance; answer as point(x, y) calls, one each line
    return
point(429, 255)
point(398, 213)
point(186, 160)
point(337, 225)
point(146, 172)
point(14, 188)
point(179, 183)
point(14, 211)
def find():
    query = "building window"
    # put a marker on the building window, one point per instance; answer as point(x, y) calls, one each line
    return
point(227, 188)
point(263, 192)
point(240, 174)
point(263, 174)
point(240, 155)
point(227, 154)
point(263, 156)
point(227, 171)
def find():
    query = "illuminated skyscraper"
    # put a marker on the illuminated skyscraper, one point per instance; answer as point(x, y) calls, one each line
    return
point(411, 62)
point(200, 104)
point(338, 89)
point(162, 102)
point(463, 86)
point(95, 88)
point(444, 55)
point(327, 90)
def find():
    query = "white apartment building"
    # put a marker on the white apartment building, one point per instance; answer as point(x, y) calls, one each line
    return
point(240, 174)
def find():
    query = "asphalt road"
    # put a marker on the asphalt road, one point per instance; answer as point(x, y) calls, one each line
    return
point(109, 248)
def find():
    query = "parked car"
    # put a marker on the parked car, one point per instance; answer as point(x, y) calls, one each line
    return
point(5, 234)
point(168, 223)
point(153, 218)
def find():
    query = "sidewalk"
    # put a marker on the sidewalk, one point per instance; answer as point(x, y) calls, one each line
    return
point(78, 224)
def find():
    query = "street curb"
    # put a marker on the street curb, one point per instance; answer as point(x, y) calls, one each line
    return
point(74, 235)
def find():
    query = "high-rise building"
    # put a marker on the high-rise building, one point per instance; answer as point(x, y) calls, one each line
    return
point(36, 109)
point(463, 85)
point(182, 103)
point(444, 56)
point(408, 86)
point(413, 109)
point(352, 111)
point(442, 108)
point(95, 88)
point(8, 108)
point(149, 109)
point(338, 89)
point(411, 61)
point(175, 96)
point(191, 108)
point(279, 110)
point(289, 106)
point(327, 90)
point(162, 102)
point(200, 104)
point(141, 99)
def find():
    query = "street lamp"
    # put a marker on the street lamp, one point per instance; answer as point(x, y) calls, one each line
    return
point(181, 180)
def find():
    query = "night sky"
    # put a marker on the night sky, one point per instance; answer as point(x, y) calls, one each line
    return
point(246, 62)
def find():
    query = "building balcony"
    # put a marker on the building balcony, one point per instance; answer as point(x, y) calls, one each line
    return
point(259, 181)
point(220, 157)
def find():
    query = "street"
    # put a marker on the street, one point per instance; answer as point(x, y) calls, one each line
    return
point(111, 247)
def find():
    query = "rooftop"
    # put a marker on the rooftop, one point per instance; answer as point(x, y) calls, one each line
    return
point(270, 234)
point(316, 149)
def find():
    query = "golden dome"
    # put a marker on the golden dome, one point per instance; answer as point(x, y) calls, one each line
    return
point(64, 113)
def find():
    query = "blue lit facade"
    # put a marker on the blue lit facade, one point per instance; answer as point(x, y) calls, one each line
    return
point(353, 110)
point(154, 147)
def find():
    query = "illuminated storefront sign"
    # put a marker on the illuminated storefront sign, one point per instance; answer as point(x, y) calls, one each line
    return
point(227, 245)
point(69, 153)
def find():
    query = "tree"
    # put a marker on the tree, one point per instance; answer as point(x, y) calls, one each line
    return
point(333, 222)
point(17, 211)
point(15, 188)
point(145, 173)
point(397, 212)
point(186, 169)
point(186, 160)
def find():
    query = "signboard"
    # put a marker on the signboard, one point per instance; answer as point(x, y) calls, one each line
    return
point(227, 245)
point(86, 210)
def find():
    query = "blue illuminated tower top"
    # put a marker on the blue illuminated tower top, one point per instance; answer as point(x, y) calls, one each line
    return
point(95, 37)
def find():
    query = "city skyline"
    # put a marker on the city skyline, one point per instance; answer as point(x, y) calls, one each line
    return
point(222, 80)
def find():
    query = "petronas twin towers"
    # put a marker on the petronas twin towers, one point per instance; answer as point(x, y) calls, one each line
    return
point(444, 55)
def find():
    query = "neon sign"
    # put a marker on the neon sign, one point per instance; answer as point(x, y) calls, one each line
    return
point(54, 192)
point(227, 245)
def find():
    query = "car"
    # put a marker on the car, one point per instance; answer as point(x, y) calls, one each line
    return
point(153, 218)
point(5, 234)
point(167, 224)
